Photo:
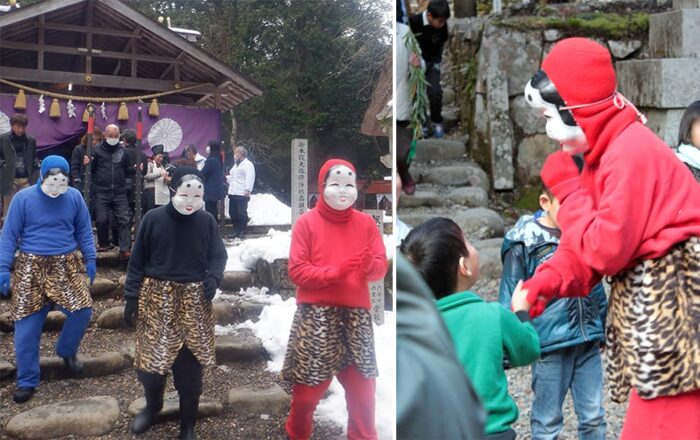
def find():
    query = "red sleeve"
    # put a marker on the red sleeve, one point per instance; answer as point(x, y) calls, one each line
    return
point(599, 240)
point(379, 265)
point(301, 271)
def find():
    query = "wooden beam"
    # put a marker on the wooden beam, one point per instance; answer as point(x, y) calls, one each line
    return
point(178, 59)
point(88, 40)
point(34, 10)
point(108, 81)
point(93, 30)
point(33, 47)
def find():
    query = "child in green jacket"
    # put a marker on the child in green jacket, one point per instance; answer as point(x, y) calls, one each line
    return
point(482, 332)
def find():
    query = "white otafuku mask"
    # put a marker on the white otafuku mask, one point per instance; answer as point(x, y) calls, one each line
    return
point(54, 183)
point(189, 196)
point(340, 191)
point(571, 137)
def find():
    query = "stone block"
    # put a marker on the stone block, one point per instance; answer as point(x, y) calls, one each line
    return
point(501, 137)
point(686, 4)
point(458, 175)
point(660, 83)
point(271, 401)
point(112, 318)
point(469, 196)
point(675, 34)
point(236, 348)
point(102, 287)
point(7, 370)
point(526, 117)
point(623, 49)
point(665, 123)
point(97, 366)
point(479, 223)
point(532, 152)
point(422, 198)
point(54, 322)
point(236, 280)
point(88, 417)
point(208, 407)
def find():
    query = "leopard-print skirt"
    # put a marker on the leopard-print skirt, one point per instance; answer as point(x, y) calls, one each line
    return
point(324, 340)
point(171, 315)
point(653, 335)
point(39, 280)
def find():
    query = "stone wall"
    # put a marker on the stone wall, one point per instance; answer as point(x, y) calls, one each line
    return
point(489, 61)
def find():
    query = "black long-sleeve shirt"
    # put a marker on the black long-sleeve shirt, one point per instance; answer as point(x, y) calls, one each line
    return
point(175, 247)
point(430, 40)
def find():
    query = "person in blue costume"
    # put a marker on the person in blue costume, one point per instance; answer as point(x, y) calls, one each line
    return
point(50, 224)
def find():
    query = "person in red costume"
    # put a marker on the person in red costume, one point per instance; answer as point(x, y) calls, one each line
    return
point(335, 252)
point(634, 215)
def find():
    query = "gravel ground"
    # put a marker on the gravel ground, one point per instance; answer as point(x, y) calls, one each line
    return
point(125, 388)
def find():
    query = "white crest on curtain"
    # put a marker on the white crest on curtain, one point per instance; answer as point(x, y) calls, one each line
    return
point(42, 104)
point(166, 132)
point(103, 111)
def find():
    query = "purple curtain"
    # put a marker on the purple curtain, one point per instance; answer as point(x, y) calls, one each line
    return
point(176, 127)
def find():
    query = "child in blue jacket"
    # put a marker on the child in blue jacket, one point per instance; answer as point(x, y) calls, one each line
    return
point(570, 329)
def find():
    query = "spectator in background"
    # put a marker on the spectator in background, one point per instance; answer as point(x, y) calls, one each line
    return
point(213, 172)
point(240, 185)
point(193, 154)
point(79, 158)
point(156, 181)
point(18, 162)
point(110, 167)
point(430, 29)
point(688, 150)
point(404, 133)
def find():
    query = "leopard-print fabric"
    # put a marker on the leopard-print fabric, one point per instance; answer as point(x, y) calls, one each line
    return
point(653, 335)
point(324, 340)
point(39, 280)
point(171, 315)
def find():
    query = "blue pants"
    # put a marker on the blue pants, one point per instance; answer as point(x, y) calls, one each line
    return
point(28, 335)
point(577, 368)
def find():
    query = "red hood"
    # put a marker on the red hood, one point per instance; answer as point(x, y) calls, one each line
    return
point(583, 73)
point(326, 210)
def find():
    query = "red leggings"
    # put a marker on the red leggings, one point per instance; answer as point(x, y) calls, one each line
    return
point(359, 397)
point(663, 418)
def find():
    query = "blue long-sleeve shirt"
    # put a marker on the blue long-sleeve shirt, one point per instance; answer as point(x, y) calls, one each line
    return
point(40, 225)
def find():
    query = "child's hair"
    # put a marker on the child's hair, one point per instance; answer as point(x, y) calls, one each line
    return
point(435, 248)
point(692, 114)
point(439, 9)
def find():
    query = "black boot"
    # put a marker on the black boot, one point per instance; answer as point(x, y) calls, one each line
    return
point(188, 417)
point(154, 387)
point(73, 365)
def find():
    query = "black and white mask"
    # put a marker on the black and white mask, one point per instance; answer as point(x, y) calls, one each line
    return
point(189, 196)
point(54, 183)
point(542, 95)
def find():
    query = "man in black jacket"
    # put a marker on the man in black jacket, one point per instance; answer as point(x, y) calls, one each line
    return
point(18, 162)
point(110, 168)
point(430, 29)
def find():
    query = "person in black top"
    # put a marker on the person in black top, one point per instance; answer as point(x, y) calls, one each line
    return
point(430, 29)
point(110, 168)
point(213, 173)
point(19, 166)
point(177, 264)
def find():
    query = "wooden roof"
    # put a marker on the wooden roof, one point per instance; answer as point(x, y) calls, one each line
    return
point(107, 48)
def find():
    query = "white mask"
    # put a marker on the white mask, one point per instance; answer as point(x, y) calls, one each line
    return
point(54, 185)
point(571, 138)
point(340, 191)
point(208, 150)
point(189, 196)
point(112, 141)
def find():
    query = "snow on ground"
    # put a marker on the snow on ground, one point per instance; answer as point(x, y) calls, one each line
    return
point(273, 330)
point(266, 209)
point(243, 256)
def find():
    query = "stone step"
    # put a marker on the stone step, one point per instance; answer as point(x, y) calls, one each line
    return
point(112, 362)
point(467, 196)
point(675, 34)
point(208, 407)
point(7, 370)
point(476, 223)
point(88, 417)
point(103, 287)
point(236, 280)
point(54, 322)
point(463, 174)
point(659, 83)
point(439, 149)
point(237, 348)
point(246, 402)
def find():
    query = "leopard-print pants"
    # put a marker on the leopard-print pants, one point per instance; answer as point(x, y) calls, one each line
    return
point(39, 280)
point(324, 340)
point(653, 335)
point(171, 315)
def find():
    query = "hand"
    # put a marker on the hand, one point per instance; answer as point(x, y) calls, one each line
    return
point(519, 301)
point(366, 261)
point(560, 174)
point(4, 283)
point(246, 194)
point(86, 160)
point(131, 311)
point(210, 286)
point(347, 267)
point(163, 173)
point(91, 268)
point(414, 60)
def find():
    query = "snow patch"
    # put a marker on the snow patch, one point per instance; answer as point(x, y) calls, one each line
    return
point(266, 209)
point(244, 255)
